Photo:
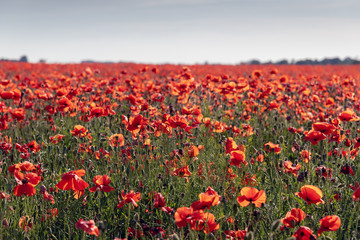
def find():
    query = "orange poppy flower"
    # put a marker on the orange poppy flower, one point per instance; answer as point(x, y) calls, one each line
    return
point(88, 226)
point(239, 234)
point(116, 140)
point(182, 216)
point(207, 199)
point(130, 197)
point(314, 136)
point(182, 172)
point(272, 147)
point(24, 166)
point(304, 233)
point(251, 195)
point(102, 184)
point(306, 155)
point(48, 197)
point(237, 157)
point(18, 114)
point(64, 105)
point(206, 223)
point(72, 180)
point(79, 131)
point(26, 183)
point(310, 194)
point(25, 223)
point(56, 139)
point(290, 168)
point(230, 145)
point(348, 116)
point(324, 127)
point(329, 223)
point(293, 218)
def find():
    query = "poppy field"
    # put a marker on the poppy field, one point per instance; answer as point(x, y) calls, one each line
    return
point(135, 151)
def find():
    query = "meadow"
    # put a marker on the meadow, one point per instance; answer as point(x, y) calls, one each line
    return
point(135, 151)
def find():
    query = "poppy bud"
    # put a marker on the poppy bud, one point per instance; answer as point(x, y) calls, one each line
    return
point(249, 236)
point(5, 223)
point(42, 189)
point(101, 226)
point(276, 225)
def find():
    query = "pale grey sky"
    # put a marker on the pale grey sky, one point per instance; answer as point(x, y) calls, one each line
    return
point(179, 31)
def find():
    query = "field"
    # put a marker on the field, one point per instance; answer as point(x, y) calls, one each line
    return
point(134, 151)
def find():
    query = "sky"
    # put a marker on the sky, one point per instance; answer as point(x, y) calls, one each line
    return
point(179, 31)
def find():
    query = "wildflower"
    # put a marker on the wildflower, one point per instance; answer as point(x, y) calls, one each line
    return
point(116, 140)
point(304, 233)
point(251, 195)
point(272, 147)
point(348, 116)
point(87, 226)
point(314, 136)
point(207, 199)
point(293, 218)
point(290, 168)
point(329, 223)
point(79, 131)
point(72, 180)
point(25, 223)
point(310, 194)
point(26, 183)
point(237, 157)
point(102, 184)
point(56, 139)
point(130, 197)
point(325, 128)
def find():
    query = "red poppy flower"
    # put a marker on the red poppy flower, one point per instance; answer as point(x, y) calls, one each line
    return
point(116, 140)
point(251, 195)
point(18, 113)
point(314, 136)
point(130, 197)
point(206, 223)
point(26, 183)
point(88, 226)
point(183, 216)
point(79, 131)
point(293, 218)
point(237, 157)
point(269, 147)
point(324, 127)
point(310, 194)
point(207, 199)
point(159, 200)
point(347, 170)
point(56, 139)
point(25, 223)
point(48, 197)
point(238, 235)
point(348, 116)
point(304, 233)
point(182, 172)
point(102, 184)
point(290, 168)
point(72, 180)
point(323, 171)
point(24, 166)
point(329, 223)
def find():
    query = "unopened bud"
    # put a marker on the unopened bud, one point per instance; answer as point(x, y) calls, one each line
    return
point(5, 223)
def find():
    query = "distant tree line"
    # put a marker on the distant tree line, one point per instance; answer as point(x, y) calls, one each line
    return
point(325, 61)
point(21, 59)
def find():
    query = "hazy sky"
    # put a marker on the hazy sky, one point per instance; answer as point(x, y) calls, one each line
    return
point(179, 31)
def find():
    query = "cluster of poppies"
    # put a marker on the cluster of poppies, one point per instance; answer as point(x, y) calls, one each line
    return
point(141, 132)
